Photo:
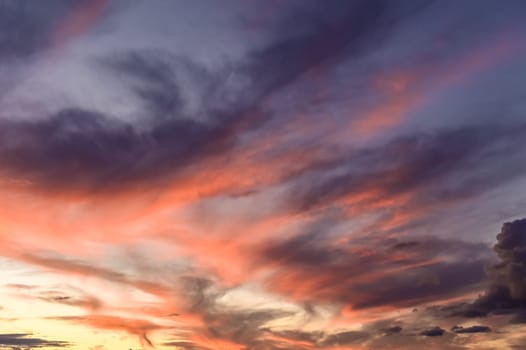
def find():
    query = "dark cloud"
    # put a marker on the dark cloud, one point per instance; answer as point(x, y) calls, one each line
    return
point(433, 332)
point(84, 150)
point(472, 329)
point(304, 336)
point(345, 338)
point(319, 339)
point(430, 283)
point(511, 249)
point(367, 273)
point(27, 27)
point(405, 245)
point(318, 33)
point(519, 317)
point(392, 330)
point(437, 166)
point(27, 341)
point(507, 279)
point(185, 345)
point(77, 149)
point(154, 81)
point(87, 150)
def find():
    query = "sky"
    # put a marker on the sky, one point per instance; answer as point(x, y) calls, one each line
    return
point(263, 174)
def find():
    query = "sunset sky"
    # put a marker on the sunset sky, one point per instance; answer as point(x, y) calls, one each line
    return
point(263, 174)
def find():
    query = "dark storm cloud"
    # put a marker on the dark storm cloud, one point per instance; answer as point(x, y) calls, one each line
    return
point(27, 341)
point(507, 279)
point(511, 249)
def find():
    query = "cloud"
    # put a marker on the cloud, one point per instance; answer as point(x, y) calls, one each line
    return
point(318, 35)
point(31, 31)
point(227, 139)
point(105, 153)
point(511, 249)
point(392, 330)
point(91, 302)
point(80, 268)
point(420, 165)
point(112, 155)
point(369, 273)
point(220, 325)
point(28, 28)
point(433, 332)
point(345, 338)
point(78, 21)
point(471, 329)
point(138, 327)
point(62, 294)
point(519, 317)
point(27, 341)
point(317, 339)
point(507, 286)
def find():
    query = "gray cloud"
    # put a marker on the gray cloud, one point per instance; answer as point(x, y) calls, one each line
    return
point(27, 341)
point(471, 329)
point(100, 153)
point(27, 27)
point(338, 273)
point(507, 287)
point(433, 332)
point(424, 164)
